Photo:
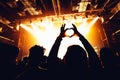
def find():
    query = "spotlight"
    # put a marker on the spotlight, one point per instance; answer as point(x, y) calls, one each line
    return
point(69, 33)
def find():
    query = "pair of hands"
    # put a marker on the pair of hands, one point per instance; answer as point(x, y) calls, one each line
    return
point(63, 30)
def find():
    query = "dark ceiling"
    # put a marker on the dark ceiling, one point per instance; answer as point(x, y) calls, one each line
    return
point(16, 9)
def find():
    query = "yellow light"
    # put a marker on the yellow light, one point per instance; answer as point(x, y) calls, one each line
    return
point(85, 27)
point(82, 28)
point(1, 29)
point(67, 42)
point(17, 27)
point(69, 33)
point(27, 28)
point(46, 32)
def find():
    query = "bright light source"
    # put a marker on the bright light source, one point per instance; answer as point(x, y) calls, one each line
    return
point(17, 27)
point(68, 42)
point(69, 33)
point(85, 27)
point(27, 28)
point(1, 29)
point(83, 6)
point(46, 32)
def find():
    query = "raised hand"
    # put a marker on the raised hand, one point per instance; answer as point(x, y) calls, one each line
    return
point(75, 30)
point(62, 31)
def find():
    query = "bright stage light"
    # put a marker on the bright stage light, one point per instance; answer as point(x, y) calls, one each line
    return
point(46, 32)
point(85, 27)
point(68, 27)
point(27, 28)
point(69, 33)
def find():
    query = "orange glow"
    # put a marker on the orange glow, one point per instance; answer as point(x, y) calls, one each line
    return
point(45, 33)
point(27, 28)
point(85, 27)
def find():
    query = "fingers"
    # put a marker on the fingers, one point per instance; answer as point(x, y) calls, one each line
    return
point(62, 32)
point(73, 25)
point(76, 31)
point(74, 28)
point(62, 28)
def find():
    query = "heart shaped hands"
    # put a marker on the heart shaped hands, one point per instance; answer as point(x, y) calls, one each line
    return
point(69, 32)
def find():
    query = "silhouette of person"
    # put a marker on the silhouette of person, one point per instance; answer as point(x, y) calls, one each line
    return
point(75, 62)
point(22, 64)
point(111, 69)
point(107, 57)
point(36, 66)
point(8, 57)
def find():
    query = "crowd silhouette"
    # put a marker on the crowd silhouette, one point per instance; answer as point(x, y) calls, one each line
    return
point(110, 63)
point(77, 64)
point(36, 65)
point(8, 54)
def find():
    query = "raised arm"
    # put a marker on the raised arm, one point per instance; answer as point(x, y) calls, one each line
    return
point(94, 61)
point(52, 58)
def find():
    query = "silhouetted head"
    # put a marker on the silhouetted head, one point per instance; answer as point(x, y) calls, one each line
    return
point(107, 56)
point(8, 55)
point(14, 50)
point(9, 52)
point(36, 54)
point(75, 57)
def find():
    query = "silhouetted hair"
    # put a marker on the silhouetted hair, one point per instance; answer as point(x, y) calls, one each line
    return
point(36, 54)
point(75, 55)
point(36, 51)
point(9, 52)
point(107, 56)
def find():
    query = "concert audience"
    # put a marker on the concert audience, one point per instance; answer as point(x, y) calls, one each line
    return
point(8, 55)
point(77, 64)
point(36, 66)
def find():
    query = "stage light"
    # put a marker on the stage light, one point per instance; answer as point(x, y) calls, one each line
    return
point(69, 33)
point(45, 33)
point(85, 27)
point(68, 27)
point(1, 29)
point(17, 27)
point(27, 28)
